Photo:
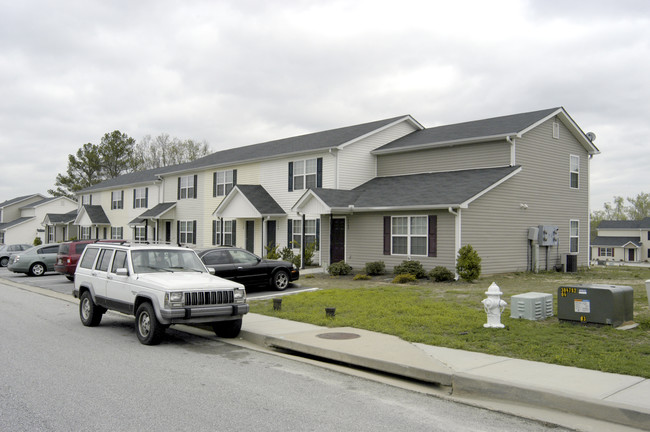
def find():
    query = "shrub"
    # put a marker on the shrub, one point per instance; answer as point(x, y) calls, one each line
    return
point(287, 254)
point(339, 269)
point(310, 249)
point(404, 278)
point(375, 268)
point(468, 266)
point(410, 267)
point(296, 260)
point(361, 276)
point(38, 241)
point(272, 252)
point(441, 274)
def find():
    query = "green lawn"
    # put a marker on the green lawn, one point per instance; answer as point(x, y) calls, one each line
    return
point(451, 315)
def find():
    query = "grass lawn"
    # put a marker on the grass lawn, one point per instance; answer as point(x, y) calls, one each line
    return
point(451, 315)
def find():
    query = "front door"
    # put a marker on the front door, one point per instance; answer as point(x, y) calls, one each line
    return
point(250, 236)
point(168, 232)
point(630, 255)
point(337, 249)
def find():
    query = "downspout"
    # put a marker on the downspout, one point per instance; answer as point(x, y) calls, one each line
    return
point(457, 237)
point(513, 151)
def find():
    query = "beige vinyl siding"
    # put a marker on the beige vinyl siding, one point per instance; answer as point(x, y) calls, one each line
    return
point(496, 225)
point(365, 241)
point(460, 157)
point(356, 165)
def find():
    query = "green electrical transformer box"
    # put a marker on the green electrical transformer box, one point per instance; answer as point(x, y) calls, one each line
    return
point(596, 303)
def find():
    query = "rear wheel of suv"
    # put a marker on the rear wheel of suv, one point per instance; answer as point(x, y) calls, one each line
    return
point(89, 312)
point(227, 329)
point(147, 327)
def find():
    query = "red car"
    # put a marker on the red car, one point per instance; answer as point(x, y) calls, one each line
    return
point(69, 253)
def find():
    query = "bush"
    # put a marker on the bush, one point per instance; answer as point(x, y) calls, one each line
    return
point(272, 252)
point(375, 268)
point(441, 274)
point(468, 266)
point(410, 267)
point(361, 276)
point(287, 254)
point(310, 249)
point(340, 268)
point(38, 241)
point(404, 278)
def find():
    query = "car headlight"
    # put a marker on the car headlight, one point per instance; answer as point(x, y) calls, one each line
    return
point(174, 299)
point(293, 267)
point(239, 294)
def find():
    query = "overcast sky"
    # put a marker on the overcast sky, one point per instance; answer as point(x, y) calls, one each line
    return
point(240, 72)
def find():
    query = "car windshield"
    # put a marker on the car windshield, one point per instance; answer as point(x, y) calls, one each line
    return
point(166, 260)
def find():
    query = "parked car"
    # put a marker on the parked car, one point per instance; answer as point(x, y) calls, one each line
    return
point(34, 261)
point(160, 286)
point(69, 253)
point(248, 269)
point(7, 250)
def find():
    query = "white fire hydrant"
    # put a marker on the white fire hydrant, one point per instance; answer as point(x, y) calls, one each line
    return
point(494, 306)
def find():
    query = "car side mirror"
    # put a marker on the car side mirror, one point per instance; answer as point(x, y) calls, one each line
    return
point(211, 271)
point(122, 272)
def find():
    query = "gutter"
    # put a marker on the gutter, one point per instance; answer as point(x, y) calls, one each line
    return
point(457, 236)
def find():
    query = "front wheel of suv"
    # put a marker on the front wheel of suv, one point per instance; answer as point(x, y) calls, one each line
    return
point(147, 327)
point(227, 329)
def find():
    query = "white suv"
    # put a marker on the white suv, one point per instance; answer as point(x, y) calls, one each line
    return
point(160, 286)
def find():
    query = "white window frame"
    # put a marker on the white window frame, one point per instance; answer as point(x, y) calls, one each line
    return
point(187, 187)
point(311, 233)
point(140, 199)
point(224, 182)
point(409, 235)
point(574, 171)
point(116, 200)
point(227, 235)
point(186, 232)
point(50, 234)
point(85, 232)
point(140, 233)
point(117, 233)
point(85, 199)
point(306, 172)
point(574, 235)
point(606, 251)
point(556, 130)
point(296, 234)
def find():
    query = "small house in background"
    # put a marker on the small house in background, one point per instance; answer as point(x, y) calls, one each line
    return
point(626, 241)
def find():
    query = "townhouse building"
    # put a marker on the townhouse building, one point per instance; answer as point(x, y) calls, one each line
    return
point(626, 241)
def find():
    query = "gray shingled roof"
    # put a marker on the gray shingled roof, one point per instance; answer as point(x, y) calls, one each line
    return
point(14, 222)
point(16, 200)
point(286, 146)
point(497, 126)
point(62, 217)
point(261, 199)
point(97, 215)
point(154, 212)
point(451, 188)
point(625, 224)
point(616, 241)
point(37, 203)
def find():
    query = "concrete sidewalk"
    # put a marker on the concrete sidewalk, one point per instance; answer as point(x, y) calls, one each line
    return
point(599, 396)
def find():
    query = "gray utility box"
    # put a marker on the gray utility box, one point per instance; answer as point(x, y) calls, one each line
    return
point(595, 303)
point(532, 306)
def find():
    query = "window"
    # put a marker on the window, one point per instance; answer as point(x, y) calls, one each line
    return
point(119, 261)
point(227, 235)
point(187, 187)
point(2, 237)
point(573, 236)
point(50, 234)
point(217, 257)
point(574, 171)
point(224, 181)
point(117, 200)
point(606, 252)
point(85, 233)
point(104, 259)
point(140, 233)
point(116, 233)
point(86, 199)
point(140, 197)
point(296, 234)
point(89, 258)
point(311, 232)
point(186, 232)
point(305, 174)
point(409, 235)
point(556, 130)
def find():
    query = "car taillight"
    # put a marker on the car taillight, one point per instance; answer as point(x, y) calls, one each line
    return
point(69, 261)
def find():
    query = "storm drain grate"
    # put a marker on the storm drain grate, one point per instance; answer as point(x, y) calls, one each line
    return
point(338, 336)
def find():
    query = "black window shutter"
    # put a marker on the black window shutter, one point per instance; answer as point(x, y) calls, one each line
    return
point(91, 199)
point(433, 236)
point(134, 198)
point(214, 184)
point(317, 234)
point(214, 232)
point(179, 188)
point(290, 176)
point(234, 178)
point(387, 235)
point(319, 172)
point(194, 232)
point(146, 197)
point(122, 200)
point(196, 186)
point(178, 232)
point(289, 232)
point(234, 233)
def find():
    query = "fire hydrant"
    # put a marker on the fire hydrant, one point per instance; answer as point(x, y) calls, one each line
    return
point(494, 306)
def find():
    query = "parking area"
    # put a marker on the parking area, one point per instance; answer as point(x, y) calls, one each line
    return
point(59, 283)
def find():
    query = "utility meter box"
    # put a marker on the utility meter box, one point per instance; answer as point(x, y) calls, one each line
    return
point(548, 235)
point(595, 303)
point(532, 306)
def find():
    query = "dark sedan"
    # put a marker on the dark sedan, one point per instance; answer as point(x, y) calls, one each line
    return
point(246, 268)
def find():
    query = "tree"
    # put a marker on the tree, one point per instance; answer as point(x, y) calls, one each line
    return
point(84, 170)
point(116, 151)
point(163, 151)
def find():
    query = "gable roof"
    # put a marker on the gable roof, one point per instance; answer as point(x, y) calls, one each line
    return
point(18, 199)
point(416, 191)
point(155, 212)
point(496, 128)
point(616, 241)
point(61, 218)
point(15, 222)
point(149, 176)
point(625, 224)
point(256, 196)
point(95, 214)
